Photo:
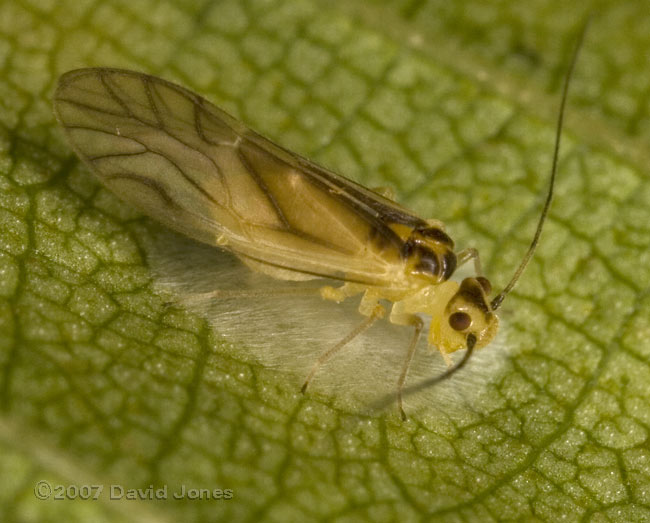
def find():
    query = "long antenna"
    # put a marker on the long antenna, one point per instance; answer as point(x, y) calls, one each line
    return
point(498, 299)
point(425, 384)
point(434, 380)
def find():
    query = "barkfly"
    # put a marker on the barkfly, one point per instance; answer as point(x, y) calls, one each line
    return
point(201, 172)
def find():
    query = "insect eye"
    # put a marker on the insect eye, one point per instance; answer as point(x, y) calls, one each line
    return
point(459, 321)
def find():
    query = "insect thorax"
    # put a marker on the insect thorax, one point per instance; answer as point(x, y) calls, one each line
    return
point(429, 253)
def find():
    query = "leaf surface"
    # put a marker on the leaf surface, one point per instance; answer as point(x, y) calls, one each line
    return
point(452, 104)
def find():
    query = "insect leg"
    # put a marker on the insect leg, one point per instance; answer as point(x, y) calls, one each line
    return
point(418, 324)
point(338, 294)
point(377, 313)
point(470, 254)
point(448, 361)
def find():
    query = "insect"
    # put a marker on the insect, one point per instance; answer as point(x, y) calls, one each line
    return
point(201, 172)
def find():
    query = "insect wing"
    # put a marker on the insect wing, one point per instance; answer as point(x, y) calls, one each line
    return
point(199, 171)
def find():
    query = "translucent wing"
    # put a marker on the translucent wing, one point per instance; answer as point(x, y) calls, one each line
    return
point(198, 170)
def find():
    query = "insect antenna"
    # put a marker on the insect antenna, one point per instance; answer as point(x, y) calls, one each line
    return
point(498, 299)
point(425, 384)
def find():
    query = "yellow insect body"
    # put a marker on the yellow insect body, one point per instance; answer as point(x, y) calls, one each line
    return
point(201, 172)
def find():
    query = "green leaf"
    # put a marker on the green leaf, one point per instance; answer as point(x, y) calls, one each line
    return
point(451, 103)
